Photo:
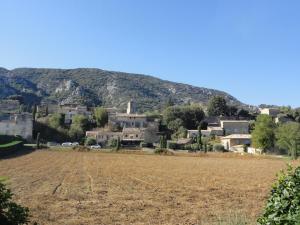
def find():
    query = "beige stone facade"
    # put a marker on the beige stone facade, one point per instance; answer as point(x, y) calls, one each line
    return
point(130, 120)
point(17, 124)
point(235, 126)
point(270, 111)
point(103, 136)
point(133, 134)
point(233, 140)
point(216, 131)
point(71, 111)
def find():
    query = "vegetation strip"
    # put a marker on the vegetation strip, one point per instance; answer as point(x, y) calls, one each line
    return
point(10, 144)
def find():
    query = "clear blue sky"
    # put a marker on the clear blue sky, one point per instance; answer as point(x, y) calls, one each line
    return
point(249, 48)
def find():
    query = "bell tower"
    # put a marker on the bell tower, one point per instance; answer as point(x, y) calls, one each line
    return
point(131, 107)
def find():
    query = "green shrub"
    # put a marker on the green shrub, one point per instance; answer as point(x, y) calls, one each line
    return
point(11, 144)
point(9, 148)
point(218, 148)
point(210, 147)
point(118, 144)
point(9, 138)
point(283, 206)
point(187, 147)
point(195, 147)
point(90, 141)
point(81, 148)
point(163, 151)
point(112, 143)
point(245, 148)
point(173, 145)
point(10, 212)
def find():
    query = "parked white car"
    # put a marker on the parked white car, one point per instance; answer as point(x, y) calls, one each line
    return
point(95, 146)
point(52, 144)
point(66, 144)
point(75, 144)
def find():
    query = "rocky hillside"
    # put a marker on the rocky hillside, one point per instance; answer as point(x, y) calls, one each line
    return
point(100, 87)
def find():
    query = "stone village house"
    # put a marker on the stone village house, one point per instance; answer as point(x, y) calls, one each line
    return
point(235, 126)
point(235, 142)
point(17, 124)
point(135, 128)
point(71, 111)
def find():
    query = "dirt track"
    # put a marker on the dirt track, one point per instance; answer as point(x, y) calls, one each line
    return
point(105, 188)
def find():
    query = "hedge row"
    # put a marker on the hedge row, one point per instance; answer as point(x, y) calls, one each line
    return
point(9, 148)
point(9, 138)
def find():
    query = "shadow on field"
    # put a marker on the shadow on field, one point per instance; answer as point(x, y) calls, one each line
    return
point(17, 153)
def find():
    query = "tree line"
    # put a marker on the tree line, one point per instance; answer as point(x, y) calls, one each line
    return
point(269, 136)
point(53, 127)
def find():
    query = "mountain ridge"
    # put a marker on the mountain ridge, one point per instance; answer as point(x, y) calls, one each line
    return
point(94, 86)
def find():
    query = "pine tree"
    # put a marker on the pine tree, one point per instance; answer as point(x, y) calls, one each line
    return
point(38, 140)
point(34, 109)
point(199, 139)
point(118, 144)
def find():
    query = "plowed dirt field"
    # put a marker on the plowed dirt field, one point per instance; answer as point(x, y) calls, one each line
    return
point(108, 188)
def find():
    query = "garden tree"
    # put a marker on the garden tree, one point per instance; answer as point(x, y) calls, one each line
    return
point(56, 120)
point(78, 127)
point(76, 133)
point(205, 147)
point(190, 116)
point(46, 110)
point(288, 138)
point(101, 116)
point(152, 115)
point(286, 109)
point(163, 142)
point(38, 140)
point(231, 110)
point(243, 113)
point(34, 110)
point(263, 135)
point(180, 133)
point(10, 212)
point(90, 141)
point(296, 115)
point(199, 138)
point(48, 133)
point(118, 144)
point(174, 125)
point(251, 125)
point(217, 106)
point(203, 125)
point(283, 206)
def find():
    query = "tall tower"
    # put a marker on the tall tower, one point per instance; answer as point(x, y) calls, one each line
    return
point(131, 107)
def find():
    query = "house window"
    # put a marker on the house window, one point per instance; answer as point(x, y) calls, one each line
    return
point(136, 135)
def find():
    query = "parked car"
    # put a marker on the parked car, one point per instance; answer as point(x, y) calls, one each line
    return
point(95, 146)
point(66, 144)
point(75, 144)
point(52, 144)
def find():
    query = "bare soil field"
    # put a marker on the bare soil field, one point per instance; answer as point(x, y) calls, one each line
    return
point(109, 188)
